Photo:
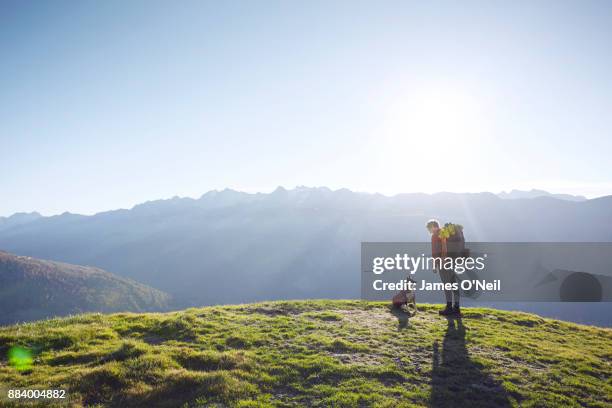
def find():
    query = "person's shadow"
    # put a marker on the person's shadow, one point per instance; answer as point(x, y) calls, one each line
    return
point(456, 380)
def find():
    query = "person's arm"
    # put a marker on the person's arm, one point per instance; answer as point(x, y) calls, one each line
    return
point(443, 249)
point(435, 249)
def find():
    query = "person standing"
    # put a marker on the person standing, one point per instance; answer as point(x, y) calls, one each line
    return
point(439, 251)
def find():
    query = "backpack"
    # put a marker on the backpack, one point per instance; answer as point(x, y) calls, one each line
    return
point(455, 240)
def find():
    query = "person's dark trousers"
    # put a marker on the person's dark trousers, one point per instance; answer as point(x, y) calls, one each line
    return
point(452, 296)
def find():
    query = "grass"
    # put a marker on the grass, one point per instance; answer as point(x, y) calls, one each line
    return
point(312, 353)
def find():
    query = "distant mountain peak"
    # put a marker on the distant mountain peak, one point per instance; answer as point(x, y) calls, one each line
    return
point(535, 193)
point(33, 214)
point(19, 218)
point(280, 190)
point(225, 192)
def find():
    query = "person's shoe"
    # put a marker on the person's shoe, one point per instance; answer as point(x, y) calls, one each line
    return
point(447, 311)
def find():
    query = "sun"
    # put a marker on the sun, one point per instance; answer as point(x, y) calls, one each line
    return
point(427, 125)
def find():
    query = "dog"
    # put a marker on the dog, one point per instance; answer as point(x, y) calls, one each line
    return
point(406, 300)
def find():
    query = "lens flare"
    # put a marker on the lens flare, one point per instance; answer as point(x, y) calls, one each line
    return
point(20, 358)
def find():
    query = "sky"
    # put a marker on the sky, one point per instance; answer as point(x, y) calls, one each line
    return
point(106, 104)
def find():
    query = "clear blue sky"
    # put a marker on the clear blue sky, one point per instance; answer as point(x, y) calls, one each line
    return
point(105, 104)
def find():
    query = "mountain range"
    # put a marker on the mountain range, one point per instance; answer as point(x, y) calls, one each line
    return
point(230, 246)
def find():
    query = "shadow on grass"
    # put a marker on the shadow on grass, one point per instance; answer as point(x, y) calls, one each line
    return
point(456, 380)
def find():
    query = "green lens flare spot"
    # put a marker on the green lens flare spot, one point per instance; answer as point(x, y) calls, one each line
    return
point(20, 358)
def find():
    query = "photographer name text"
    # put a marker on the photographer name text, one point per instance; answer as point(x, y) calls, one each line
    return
point(405, 284)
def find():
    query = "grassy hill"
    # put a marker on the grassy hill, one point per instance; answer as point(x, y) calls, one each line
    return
point(32, 289)
point(313, 353)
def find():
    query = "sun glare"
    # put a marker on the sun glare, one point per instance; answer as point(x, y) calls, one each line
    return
point(421, 128)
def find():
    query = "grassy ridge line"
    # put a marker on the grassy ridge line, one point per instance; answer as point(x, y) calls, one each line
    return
point(314, 353)
point(34, 289)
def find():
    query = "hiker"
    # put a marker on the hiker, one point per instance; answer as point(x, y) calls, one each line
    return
point(439, 250)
